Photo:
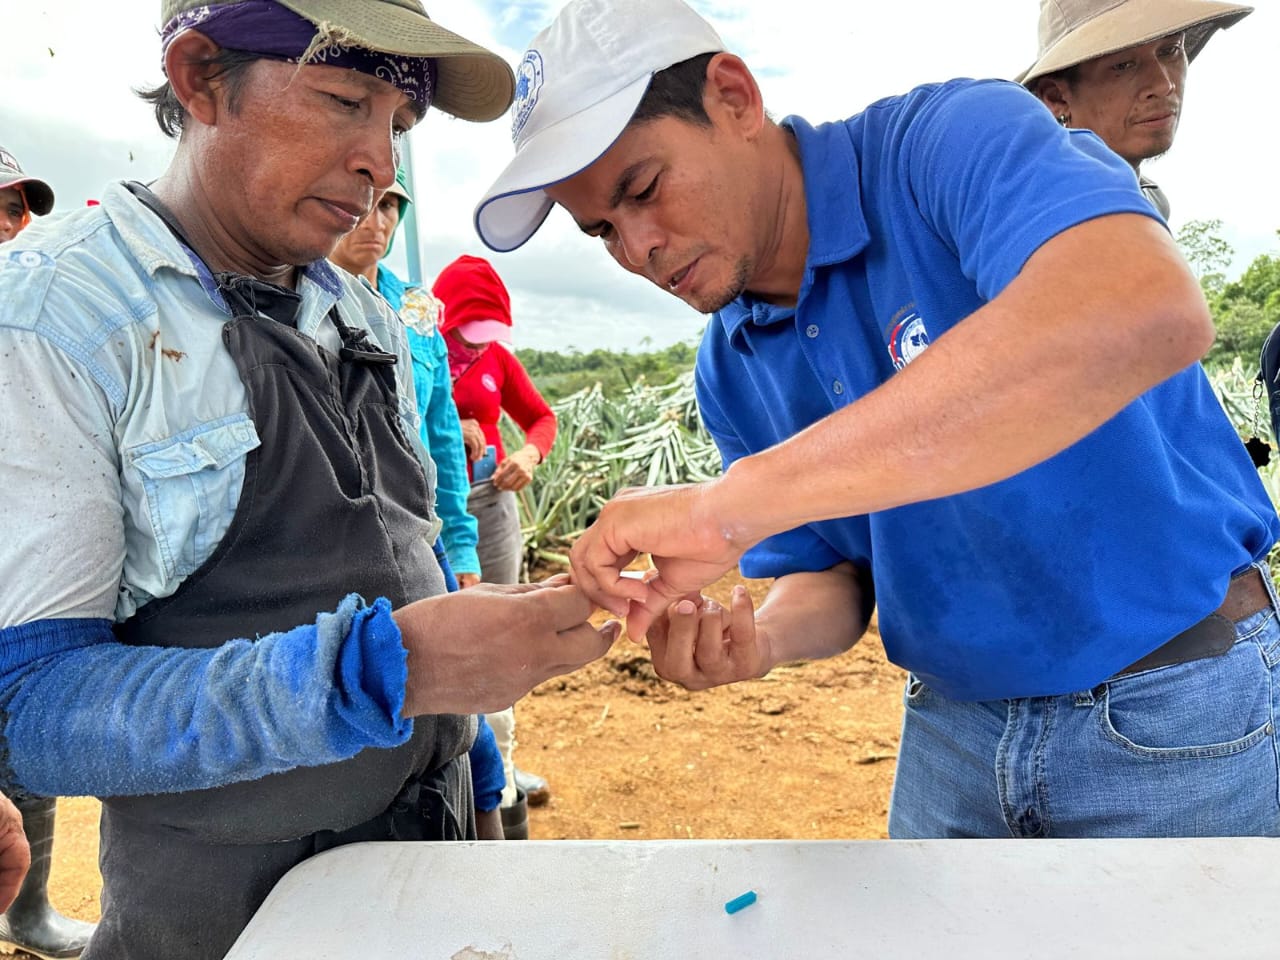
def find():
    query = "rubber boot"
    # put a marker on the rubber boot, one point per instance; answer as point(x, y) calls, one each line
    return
point(515, 818)
point(31, 923)
point(534, 787)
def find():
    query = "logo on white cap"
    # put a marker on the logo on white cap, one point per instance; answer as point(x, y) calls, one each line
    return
point(528, 84)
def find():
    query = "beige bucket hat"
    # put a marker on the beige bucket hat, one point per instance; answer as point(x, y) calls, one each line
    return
point(1073, 31)
point(473, 83)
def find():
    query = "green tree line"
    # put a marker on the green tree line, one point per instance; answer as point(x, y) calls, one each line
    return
point(558, 375)
point(1245, 309)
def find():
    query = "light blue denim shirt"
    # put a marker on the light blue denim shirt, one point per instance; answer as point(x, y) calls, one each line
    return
point(125, 431)
point(125, 423)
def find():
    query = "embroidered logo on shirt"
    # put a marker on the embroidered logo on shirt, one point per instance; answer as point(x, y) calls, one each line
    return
point(490, 384)
point(528, 85)
point(421, 312)
point(907, 340)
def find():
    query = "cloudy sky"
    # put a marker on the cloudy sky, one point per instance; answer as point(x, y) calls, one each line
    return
point(68, 114)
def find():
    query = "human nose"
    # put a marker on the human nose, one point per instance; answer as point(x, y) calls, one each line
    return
point(377, 154)
point(638, 241)
point(1162, 78)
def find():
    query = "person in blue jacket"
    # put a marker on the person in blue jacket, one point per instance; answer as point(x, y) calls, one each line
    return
point(953, 372)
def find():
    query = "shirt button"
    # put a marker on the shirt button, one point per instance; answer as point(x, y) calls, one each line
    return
point(837, 387)
point(811, 331)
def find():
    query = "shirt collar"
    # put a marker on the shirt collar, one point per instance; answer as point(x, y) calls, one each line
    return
point(837, 225)
point(154, 246)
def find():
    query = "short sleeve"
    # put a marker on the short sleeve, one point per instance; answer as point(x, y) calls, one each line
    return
point(996, 176)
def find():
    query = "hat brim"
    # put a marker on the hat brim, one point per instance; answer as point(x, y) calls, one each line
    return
point(472, 83)
point(484, 331)
point(38, 193)
point(1132, 24)
point(515, 206)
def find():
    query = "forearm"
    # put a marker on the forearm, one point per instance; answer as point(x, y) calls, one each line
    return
point(811, 616)
point(84, 714)
point(1021, 379)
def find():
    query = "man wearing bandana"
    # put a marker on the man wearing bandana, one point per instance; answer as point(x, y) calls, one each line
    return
point(220, 608)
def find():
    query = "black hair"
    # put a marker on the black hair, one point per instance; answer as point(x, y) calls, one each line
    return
point(232, 69)
point(677, 92)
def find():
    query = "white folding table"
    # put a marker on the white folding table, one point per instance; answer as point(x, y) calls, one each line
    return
point(879, 900)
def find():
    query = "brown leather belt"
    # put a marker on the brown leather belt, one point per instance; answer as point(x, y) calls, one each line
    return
point(1215, 634)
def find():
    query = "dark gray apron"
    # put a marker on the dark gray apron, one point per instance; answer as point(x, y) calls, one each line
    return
point(334, 502)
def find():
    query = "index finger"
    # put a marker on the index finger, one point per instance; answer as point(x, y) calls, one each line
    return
point(597, 569)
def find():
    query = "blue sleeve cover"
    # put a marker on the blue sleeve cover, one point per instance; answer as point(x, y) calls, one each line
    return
point(442, 436)
point(487, 776)
point(82, 714)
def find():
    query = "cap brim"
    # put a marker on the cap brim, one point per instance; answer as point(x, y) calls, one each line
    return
point(1130, 25)
point(38, 193)
point(472, 83)
point(484, 331)
point(398, 191)
point(513, 209)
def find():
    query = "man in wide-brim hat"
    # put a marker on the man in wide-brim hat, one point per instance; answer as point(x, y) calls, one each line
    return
point(1119, 67)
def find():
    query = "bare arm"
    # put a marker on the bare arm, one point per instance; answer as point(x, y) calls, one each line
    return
point(1098, 315)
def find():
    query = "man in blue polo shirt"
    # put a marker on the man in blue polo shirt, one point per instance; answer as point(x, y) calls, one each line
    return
point(952, 371)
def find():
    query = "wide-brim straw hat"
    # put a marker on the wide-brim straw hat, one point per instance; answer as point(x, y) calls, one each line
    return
point(472, 83)
point(1073, 31)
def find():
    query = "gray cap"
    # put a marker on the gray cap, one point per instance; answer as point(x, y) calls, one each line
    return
point(39, 194)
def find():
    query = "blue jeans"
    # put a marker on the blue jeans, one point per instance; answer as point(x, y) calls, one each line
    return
point(1188, 750)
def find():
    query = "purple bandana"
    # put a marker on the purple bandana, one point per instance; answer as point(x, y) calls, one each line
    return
point(265, 28)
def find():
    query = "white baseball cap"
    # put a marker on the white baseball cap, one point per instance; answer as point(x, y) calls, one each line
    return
point(576, 90)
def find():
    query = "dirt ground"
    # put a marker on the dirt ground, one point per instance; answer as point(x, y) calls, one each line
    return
point(806, 753)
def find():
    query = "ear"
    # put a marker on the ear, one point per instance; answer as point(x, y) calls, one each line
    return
point(732, 92)
point(1055, 95)
point(190, 77)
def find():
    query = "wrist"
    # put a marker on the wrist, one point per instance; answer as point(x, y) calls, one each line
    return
point(742, 505)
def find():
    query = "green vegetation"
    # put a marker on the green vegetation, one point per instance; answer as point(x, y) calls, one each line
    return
point(1244, 310)
point(557, 375)
point(640, 436)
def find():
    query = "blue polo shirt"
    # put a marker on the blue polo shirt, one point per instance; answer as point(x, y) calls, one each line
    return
point(921, 209)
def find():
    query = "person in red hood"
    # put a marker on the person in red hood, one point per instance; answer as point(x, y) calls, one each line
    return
point(487, 380)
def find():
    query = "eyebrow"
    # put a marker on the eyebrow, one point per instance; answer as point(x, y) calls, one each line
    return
point(619, 192)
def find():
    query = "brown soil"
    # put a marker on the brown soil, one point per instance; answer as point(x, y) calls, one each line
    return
point(806, 753)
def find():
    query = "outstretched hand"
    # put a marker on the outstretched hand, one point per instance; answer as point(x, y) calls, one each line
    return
point(481, 649)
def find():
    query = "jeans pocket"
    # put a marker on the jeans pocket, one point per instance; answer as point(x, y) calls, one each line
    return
point(193, 482)
point(1208, 708)
point(917, 693)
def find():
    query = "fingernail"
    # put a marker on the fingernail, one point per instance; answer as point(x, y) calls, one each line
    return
point(614, 627)
point(685, 608)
